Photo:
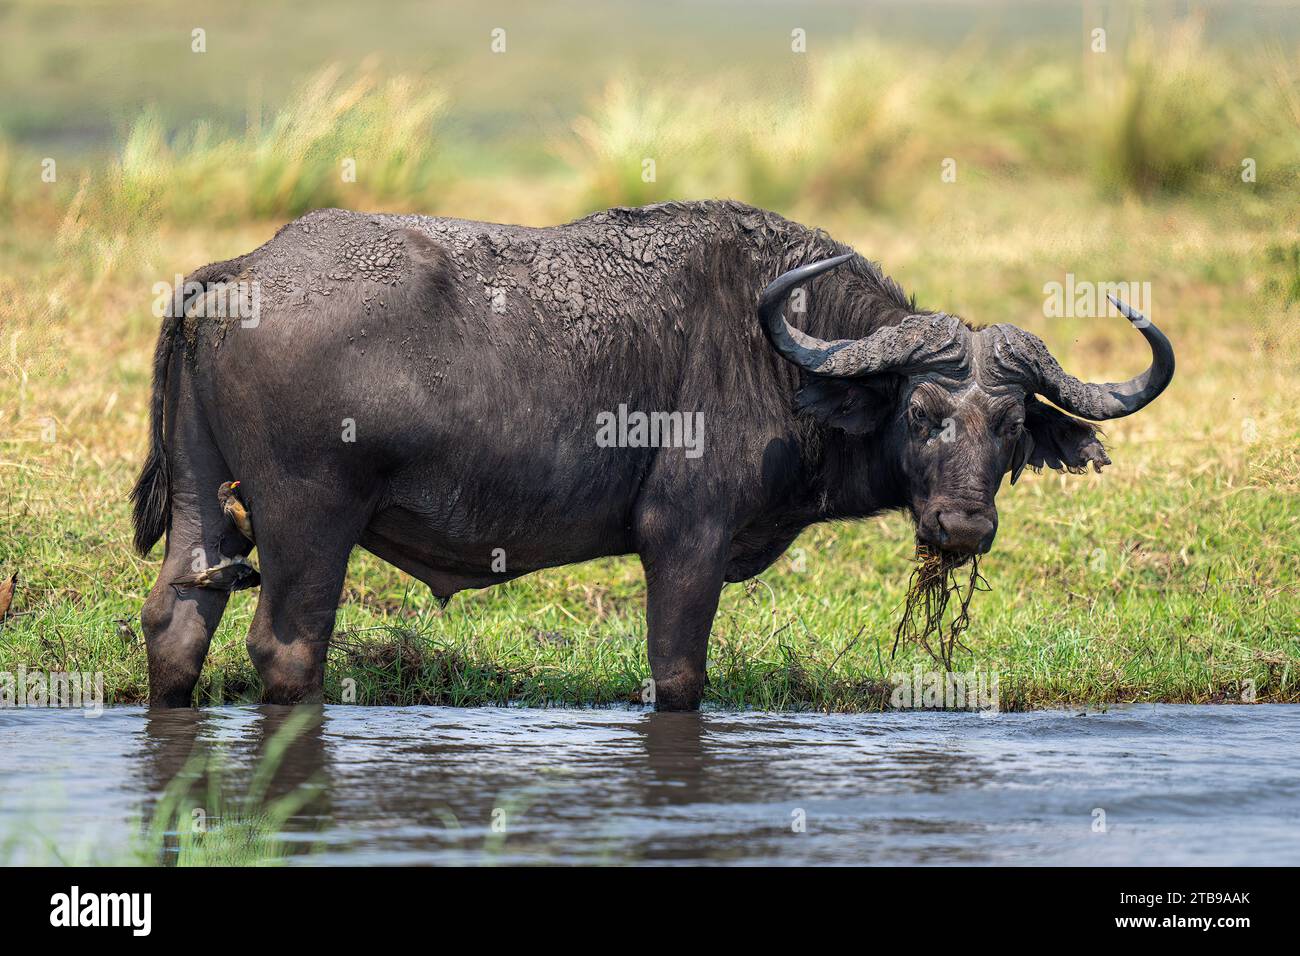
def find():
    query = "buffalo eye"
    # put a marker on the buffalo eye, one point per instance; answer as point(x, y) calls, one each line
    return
point(923, 424)
point(919, 419)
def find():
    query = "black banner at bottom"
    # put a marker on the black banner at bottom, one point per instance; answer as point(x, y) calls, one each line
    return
point(335, 906)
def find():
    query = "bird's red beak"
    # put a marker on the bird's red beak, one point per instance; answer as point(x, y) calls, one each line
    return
point(234, 484)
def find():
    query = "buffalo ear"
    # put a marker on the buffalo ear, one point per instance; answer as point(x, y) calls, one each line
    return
point(1060, 441)
point(851, 405)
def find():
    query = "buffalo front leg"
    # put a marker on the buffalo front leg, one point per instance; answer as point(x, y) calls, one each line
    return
point(683, 583)
point(303, 543)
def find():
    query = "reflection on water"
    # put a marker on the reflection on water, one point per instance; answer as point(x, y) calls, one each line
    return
point(1169, 784)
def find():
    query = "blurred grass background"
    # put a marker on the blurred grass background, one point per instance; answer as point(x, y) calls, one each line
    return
point(1171, 577)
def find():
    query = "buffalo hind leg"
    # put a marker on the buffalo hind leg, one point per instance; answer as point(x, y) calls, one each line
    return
point(178, 627)
point(179, 623)
point(303, 543)
point(683, 584)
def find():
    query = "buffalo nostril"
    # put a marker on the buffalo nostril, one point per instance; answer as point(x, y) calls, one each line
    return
point(965, 532)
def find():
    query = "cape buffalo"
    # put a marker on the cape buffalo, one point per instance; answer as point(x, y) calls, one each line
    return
point(444, 393)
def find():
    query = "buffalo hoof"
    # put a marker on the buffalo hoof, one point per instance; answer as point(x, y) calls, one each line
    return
point(292, 693)
point(679, 692)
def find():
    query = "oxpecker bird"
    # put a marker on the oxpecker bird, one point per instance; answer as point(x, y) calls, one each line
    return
point(231, 574)
point(234, 509)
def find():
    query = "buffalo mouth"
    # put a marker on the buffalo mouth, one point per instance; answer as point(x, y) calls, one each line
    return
point(942, 560)
point(949, 558)
point(957, 530)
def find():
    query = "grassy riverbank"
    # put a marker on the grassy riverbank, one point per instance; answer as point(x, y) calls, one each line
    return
point(1171, 577)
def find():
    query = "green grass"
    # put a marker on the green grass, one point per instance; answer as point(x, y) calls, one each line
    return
point(1172, 577)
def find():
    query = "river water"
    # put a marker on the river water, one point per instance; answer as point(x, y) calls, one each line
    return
point(1149, 784)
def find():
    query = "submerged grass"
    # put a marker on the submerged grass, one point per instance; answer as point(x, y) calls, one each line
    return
point(198, 822)
point(203, 816)
point(1172, 577)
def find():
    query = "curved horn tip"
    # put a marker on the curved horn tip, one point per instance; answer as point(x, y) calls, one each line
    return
point(806, 351)
point(781, 286)
point(834, 262)
point(1130, 313)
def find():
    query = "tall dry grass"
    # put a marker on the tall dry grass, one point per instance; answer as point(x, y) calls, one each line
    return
point(338, 141)
point(1166, 115)
point(861, 125)
point(1178, 117)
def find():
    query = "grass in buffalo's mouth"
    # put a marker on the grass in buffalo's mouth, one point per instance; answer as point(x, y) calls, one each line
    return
point(934, 583)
